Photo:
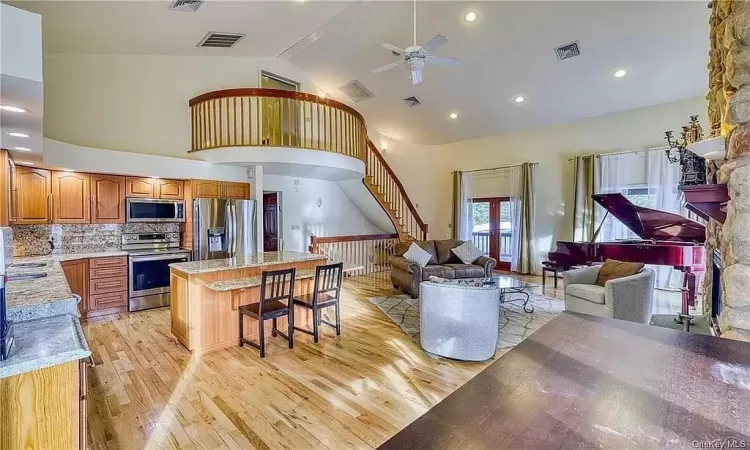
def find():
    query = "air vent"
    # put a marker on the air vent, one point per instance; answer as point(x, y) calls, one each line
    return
point(567, 51)
point(186, 5)
point(356, 91)
point(412, 101)
point(220, 40)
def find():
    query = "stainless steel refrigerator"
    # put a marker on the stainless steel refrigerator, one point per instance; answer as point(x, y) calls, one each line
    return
point(223, 228)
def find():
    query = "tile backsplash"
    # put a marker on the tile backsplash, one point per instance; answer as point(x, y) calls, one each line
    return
point(29, 240)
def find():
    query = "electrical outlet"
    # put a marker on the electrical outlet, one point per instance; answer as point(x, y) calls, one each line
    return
point(295, 227)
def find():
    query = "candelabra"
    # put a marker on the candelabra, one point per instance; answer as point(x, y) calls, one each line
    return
point(693, 166)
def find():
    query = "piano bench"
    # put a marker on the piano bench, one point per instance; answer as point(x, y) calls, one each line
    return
point(550, 266)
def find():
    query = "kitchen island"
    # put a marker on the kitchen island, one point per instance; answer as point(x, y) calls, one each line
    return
point(205, 296)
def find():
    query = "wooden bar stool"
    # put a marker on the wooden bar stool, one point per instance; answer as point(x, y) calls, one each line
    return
point(276, 294)
point(326, 292)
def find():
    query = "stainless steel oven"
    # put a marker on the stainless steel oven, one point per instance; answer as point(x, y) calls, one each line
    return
point(150, 255)
point(154, 210)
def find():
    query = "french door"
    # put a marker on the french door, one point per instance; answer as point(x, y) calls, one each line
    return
point(492, 228)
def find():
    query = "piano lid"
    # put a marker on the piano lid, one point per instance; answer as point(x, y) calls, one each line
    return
point(651, 223)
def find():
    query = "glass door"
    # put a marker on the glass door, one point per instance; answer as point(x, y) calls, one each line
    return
point(492, 230)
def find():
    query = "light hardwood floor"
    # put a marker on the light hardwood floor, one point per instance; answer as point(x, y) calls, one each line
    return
point(354, 391)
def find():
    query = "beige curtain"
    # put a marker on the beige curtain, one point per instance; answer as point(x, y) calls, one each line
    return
point(456, 204)
point(525, 259)
point(586, 183)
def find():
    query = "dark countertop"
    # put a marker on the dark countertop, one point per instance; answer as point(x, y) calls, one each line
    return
point(589, 382)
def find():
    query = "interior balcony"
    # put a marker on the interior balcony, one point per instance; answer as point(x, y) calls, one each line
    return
point(288, 133)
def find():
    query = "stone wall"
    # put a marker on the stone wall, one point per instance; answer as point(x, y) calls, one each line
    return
point(729, 116)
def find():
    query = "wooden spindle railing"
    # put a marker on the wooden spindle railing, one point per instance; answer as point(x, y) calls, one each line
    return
point(362, 254)
point(390, 193)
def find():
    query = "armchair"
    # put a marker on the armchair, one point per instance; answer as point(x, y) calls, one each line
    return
point(627, 298)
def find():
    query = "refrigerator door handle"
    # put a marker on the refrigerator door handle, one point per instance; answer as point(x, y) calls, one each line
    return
point(234, 227)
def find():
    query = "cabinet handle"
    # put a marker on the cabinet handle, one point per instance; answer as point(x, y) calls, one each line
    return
point(14, 204)
point(49, 205)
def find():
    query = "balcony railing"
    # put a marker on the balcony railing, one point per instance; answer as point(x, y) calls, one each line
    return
point(482, 242)
point(276, 118)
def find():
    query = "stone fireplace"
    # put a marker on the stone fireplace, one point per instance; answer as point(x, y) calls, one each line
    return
point(729, 116)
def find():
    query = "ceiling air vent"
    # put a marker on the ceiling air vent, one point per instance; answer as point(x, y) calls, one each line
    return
point(220, 40)
point(412, 101)
point(567, 51)
point(186, 5)
point(356, 91)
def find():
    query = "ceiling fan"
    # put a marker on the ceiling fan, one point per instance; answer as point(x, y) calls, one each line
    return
point(415, 57)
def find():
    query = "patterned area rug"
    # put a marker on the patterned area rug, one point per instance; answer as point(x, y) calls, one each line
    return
point(515, 324)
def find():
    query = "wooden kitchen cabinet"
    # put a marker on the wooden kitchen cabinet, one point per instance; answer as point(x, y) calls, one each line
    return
point(6, 187)
point(236, 190)
point(71, 197)
point(206, 188)
point(77, 274)
point(142, 187)
point(168, 189)
point(32, 196)
point(108, 285)
point(107, 199)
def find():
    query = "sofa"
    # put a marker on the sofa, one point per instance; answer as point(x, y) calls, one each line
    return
point(443, 263)
point(628, 298)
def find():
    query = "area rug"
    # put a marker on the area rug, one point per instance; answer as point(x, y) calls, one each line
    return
point(515, 324)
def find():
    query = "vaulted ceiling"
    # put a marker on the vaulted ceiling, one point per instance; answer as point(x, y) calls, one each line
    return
point(509, 50)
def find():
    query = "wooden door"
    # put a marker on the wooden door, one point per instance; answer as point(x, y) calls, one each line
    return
point(168, 189)
point(107, 199)
point(236, 190)
point(32, 195)
point(270, 222)
point(206, 189)
point(71, 197)
point(493, 225)
point(76, 272)
point(139, 187)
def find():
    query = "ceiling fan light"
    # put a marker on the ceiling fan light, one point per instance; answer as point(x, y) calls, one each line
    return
point(416, 76)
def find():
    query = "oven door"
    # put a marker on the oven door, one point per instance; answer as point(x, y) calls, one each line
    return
point(149, 274)
point(155, 210)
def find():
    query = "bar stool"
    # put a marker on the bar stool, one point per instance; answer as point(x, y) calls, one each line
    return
point(326, 292)
point(276, 294)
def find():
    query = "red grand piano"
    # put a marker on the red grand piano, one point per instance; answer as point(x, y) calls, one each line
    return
point(667, 239)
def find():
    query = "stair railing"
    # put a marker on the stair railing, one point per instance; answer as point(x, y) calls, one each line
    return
point(361, 255)
point(392, 196)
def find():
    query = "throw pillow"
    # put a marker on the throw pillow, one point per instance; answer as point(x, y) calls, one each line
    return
point(613, 269)
point(467, 252)
point(417, 255)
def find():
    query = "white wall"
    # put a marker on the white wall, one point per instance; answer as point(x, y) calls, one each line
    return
point(139, 103)
point(426, 170)
point(20, 43)
point(302, 218)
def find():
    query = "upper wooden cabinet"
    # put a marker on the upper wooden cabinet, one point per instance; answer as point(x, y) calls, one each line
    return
point(107, 199)
point(32, 196)
point(236, 190)
point(71, 197)
point(6, 174)
point(206, 189)
point(168, 189)
point(139, 187)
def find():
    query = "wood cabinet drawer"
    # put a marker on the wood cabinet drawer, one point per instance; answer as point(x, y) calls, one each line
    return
point(108, 300)
point(107, 285)
point(108, 272)
point(97, 263)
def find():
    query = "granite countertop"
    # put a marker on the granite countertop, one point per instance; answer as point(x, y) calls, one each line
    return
point(46, 296)
point(45, 342)
point(244, 261)
point(243, 283)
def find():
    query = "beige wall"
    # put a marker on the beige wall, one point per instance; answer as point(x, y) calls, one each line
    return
point(139, 103)
point(426, 170)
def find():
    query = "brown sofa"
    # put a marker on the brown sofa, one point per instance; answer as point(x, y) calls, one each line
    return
point(443, 263)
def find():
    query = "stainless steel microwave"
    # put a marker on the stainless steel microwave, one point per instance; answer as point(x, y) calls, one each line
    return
point(154, 210)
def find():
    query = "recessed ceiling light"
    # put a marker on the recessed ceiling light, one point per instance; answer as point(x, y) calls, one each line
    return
point(519, 99)
point(22, 149)
point(25, 163)
point(470, 16)
point(19, 135)
point(453, 116)
point(15, 109)
point(619, 73)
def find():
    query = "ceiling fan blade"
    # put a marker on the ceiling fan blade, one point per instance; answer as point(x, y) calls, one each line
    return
point(393, 48)
point(389, 66)
point(440, 61)
point(434, 43)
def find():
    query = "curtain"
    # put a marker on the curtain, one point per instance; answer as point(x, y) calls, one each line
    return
point(618, 173)
point(462, 205)
point(523, 260)
point(587, 182)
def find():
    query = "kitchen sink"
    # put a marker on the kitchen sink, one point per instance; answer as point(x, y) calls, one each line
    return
point(26, 276)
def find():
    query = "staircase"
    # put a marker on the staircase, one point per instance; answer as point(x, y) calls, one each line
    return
point(385, 186)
